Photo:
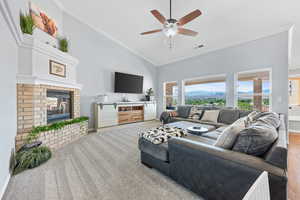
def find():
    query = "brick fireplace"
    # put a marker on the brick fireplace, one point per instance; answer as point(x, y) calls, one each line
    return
point(34, 81)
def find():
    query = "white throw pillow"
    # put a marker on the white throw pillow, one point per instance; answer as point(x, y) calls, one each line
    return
point(229, 135)
point(211, 115)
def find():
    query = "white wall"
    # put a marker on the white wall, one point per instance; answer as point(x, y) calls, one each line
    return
point(99, 57)
point(8, 66)
point(270, 52)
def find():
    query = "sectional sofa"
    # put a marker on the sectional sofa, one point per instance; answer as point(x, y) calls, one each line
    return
point(212, 172)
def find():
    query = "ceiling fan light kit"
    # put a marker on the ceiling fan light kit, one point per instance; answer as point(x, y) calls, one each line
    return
point(172, 27)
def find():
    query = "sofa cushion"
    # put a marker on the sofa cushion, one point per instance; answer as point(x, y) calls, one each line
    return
point(229, 134)
point(256, 139)
point(211, 116)
point(159, 151)
point(183, 111)
point(244, 113)
point(222, 128)
point(228, 116)
point(212, 134)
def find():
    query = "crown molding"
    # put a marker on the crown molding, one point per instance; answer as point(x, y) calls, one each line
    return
point(9, 19)
point(112, 38)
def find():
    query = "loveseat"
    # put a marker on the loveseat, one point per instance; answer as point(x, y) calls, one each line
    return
point(212, 172)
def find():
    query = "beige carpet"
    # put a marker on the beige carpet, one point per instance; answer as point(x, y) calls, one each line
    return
point(104, 165)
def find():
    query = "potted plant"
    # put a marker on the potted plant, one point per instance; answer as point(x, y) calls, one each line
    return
point(149, 94)
point(63, 44)
point(26, 23)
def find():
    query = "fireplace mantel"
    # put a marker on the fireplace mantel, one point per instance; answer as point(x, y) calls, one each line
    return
point(34, 64)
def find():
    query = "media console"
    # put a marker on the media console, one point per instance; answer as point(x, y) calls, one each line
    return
point(111, 114)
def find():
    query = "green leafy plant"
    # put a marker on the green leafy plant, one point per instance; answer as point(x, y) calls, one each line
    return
point(55, 126)
point(63, 44)
point(31, 158)
point(150, 92)
point(26, 23)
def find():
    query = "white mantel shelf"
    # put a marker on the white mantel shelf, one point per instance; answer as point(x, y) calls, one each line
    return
point(34, 59)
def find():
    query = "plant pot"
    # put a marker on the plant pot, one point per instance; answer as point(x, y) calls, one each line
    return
point(147, 98)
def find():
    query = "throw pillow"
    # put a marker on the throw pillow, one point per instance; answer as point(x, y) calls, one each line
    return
point(183, 111)
point(210, 115)
point(256, 139)
point(228, 136)
point(195, 113)
point(269, 118)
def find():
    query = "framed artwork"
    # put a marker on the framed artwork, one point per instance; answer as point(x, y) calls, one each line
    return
point(42, 20)
point(57, 69)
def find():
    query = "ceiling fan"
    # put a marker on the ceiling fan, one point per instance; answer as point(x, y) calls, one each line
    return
point(172, 27)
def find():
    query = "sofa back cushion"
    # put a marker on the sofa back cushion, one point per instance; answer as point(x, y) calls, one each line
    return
point(244, 113)
point(183, 111)
point(211, 115)
point(228, 116)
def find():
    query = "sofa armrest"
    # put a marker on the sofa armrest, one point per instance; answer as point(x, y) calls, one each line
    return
point(216, 173)
point(228, 155)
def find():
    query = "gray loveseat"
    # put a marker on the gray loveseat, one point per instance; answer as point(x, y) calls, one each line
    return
point(215, 173)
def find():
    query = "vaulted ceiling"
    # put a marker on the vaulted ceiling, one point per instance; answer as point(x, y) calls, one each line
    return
point(222, 24)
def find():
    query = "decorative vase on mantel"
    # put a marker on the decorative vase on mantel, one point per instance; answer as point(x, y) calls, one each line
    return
point(149, 95)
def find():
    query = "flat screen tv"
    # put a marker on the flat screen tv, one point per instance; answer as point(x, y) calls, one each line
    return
point(128, 83)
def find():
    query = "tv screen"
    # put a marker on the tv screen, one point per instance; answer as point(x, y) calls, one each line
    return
point(128, 83)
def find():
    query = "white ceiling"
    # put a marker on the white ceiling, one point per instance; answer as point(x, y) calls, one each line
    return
point(222, 24)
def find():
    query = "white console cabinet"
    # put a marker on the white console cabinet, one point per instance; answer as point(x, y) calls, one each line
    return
point(106, 115)
point(111, 114)
point(150, 111)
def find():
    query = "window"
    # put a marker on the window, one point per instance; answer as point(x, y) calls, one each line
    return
point(209, 91)
point(254, 91)
point(170, 95)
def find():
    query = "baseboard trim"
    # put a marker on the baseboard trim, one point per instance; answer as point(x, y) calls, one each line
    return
point(294, 131)
point(4, 186)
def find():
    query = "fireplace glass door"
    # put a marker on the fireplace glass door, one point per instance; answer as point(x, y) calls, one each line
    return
point(58, 105)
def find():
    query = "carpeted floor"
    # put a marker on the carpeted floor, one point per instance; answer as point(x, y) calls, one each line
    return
point(104, 165)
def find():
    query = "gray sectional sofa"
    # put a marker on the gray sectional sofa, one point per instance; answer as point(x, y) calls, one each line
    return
point(212, 172)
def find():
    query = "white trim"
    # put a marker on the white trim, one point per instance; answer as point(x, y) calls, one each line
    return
point(4, 186)
point(294, 131)
point(27, 79)
point(270, 84)
point(203, 78)
point(8, 17)
point(113, 39)
point(30, 42)
point(178, 59)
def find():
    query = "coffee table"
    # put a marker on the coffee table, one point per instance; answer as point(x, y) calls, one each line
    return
point(185, 125)
point(197, 130)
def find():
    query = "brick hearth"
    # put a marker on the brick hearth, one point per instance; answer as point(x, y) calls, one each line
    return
point(32, 109)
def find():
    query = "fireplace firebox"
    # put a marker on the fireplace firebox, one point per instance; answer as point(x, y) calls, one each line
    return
point(59, 105)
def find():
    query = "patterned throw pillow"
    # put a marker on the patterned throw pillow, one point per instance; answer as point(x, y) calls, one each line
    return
point(173, 114)
point(195, 113)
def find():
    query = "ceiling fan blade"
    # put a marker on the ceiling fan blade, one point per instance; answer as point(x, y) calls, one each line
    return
point(188, 32)
point(189, 17)
point(158, 16)
point(153, 31)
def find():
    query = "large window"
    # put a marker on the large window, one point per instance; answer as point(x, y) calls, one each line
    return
point(170, 95)
point(254, 91)
point(208, 91)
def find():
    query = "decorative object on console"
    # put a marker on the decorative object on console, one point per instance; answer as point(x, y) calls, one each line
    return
point(149, 94)
point(26, 24)
point(63, 44)
point(57, 69)
point(42, 21)
point(102, 98)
